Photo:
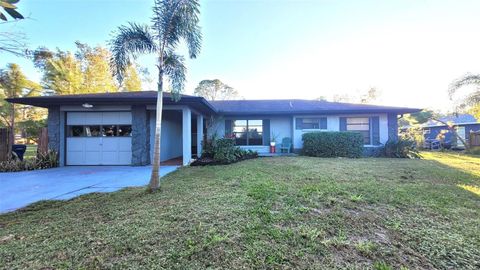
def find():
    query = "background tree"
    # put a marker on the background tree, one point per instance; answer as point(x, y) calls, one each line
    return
point(470, 102)
point(13, 83)
point(97, 75)
point(62, 72)
point(132, 80)
point(215, 90)
point(87, 70)
point(173, 21)
point(370, 96)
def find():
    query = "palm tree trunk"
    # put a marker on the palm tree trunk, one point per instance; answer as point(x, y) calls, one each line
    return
point(454, 131)
point(155, 176)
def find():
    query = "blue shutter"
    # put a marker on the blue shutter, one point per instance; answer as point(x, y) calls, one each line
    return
point(228, 127)
point(375, 126)
point(266, 131)
point(323, 123)
point(298, 123)
point(343, 124)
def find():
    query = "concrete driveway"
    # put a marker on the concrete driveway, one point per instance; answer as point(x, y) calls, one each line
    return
point(20, 189)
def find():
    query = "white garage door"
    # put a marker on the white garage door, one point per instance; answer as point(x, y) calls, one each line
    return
point(99, 138)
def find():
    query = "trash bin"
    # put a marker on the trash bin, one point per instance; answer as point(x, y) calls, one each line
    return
point(19, 149)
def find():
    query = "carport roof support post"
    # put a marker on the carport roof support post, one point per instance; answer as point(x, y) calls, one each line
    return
point(187, 135)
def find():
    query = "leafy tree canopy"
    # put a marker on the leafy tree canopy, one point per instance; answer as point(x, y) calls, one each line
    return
point(470, 101)
point(85, 71)
point(215, 90)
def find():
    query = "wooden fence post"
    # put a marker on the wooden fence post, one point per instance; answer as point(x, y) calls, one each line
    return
point(42, 147)
point(474, 138)
point(4, 144)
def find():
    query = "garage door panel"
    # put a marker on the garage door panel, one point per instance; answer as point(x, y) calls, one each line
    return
point(110, 157)
point(124, 118)
point(125, 144)
point(93, 144)
point(75, 158)
point(93, 118)
point(110, 144)
point(125, 157)
point(75, 144)
point(75, 118)
point(99, 150)
point(93, 158)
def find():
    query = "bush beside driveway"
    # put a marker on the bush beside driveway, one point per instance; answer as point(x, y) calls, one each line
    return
point(285, 212)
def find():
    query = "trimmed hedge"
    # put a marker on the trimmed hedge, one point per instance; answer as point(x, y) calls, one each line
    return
point(333, 144)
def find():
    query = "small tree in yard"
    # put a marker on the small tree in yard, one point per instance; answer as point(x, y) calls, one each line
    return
point(173, 21)
point(215, 90)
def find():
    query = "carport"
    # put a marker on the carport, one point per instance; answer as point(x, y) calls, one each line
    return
point(118, 128)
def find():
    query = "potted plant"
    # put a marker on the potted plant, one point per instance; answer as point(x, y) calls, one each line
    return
point(273, 139)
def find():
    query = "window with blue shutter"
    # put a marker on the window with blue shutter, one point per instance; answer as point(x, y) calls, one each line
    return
point(311, 123)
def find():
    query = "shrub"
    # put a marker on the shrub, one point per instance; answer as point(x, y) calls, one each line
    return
point(41, 161)
point(333, 144)
point(222, 151)
point(401, 148)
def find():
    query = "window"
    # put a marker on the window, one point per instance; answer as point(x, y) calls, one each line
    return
point(109, 131)
point(248, 132)
point(361, 125)
point(124, 131)
point(75, 131)
point(311, 123)
point(92, 131)
point(97, 131)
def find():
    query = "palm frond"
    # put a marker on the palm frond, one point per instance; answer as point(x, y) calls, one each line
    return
point(468, 79)
point(175, 20)
point(176, 71)
point(130, 41)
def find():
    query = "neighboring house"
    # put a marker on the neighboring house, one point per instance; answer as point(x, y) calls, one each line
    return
point(117, 128)
point(464, 124)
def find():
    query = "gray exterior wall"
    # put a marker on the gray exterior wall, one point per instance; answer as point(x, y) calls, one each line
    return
point(54, 126)
point(140, 136)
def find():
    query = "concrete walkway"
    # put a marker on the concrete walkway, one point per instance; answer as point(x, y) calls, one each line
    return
point(20, 189)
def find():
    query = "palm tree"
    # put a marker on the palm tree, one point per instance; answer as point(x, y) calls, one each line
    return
point(173, 21)
point(473, 99)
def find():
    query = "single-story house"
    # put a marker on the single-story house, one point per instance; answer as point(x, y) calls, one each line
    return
point(117, 128)
point(464, 124)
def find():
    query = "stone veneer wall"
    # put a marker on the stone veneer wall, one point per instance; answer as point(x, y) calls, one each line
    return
point(53, 125)
point(392, 126)
point(140, 136)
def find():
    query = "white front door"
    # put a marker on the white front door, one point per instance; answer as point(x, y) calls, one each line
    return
point(99, 138)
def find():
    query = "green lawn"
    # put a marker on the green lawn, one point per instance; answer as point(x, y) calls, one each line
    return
point(31, 151)
point(292, 212)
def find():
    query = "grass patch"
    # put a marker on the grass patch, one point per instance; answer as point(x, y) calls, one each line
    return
point(289, 212)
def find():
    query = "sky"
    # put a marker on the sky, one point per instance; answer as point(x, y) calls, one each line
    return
point(409, 50)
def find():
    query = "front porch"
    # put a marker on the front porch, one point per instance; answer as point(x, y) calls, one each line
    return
point(182, 134)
